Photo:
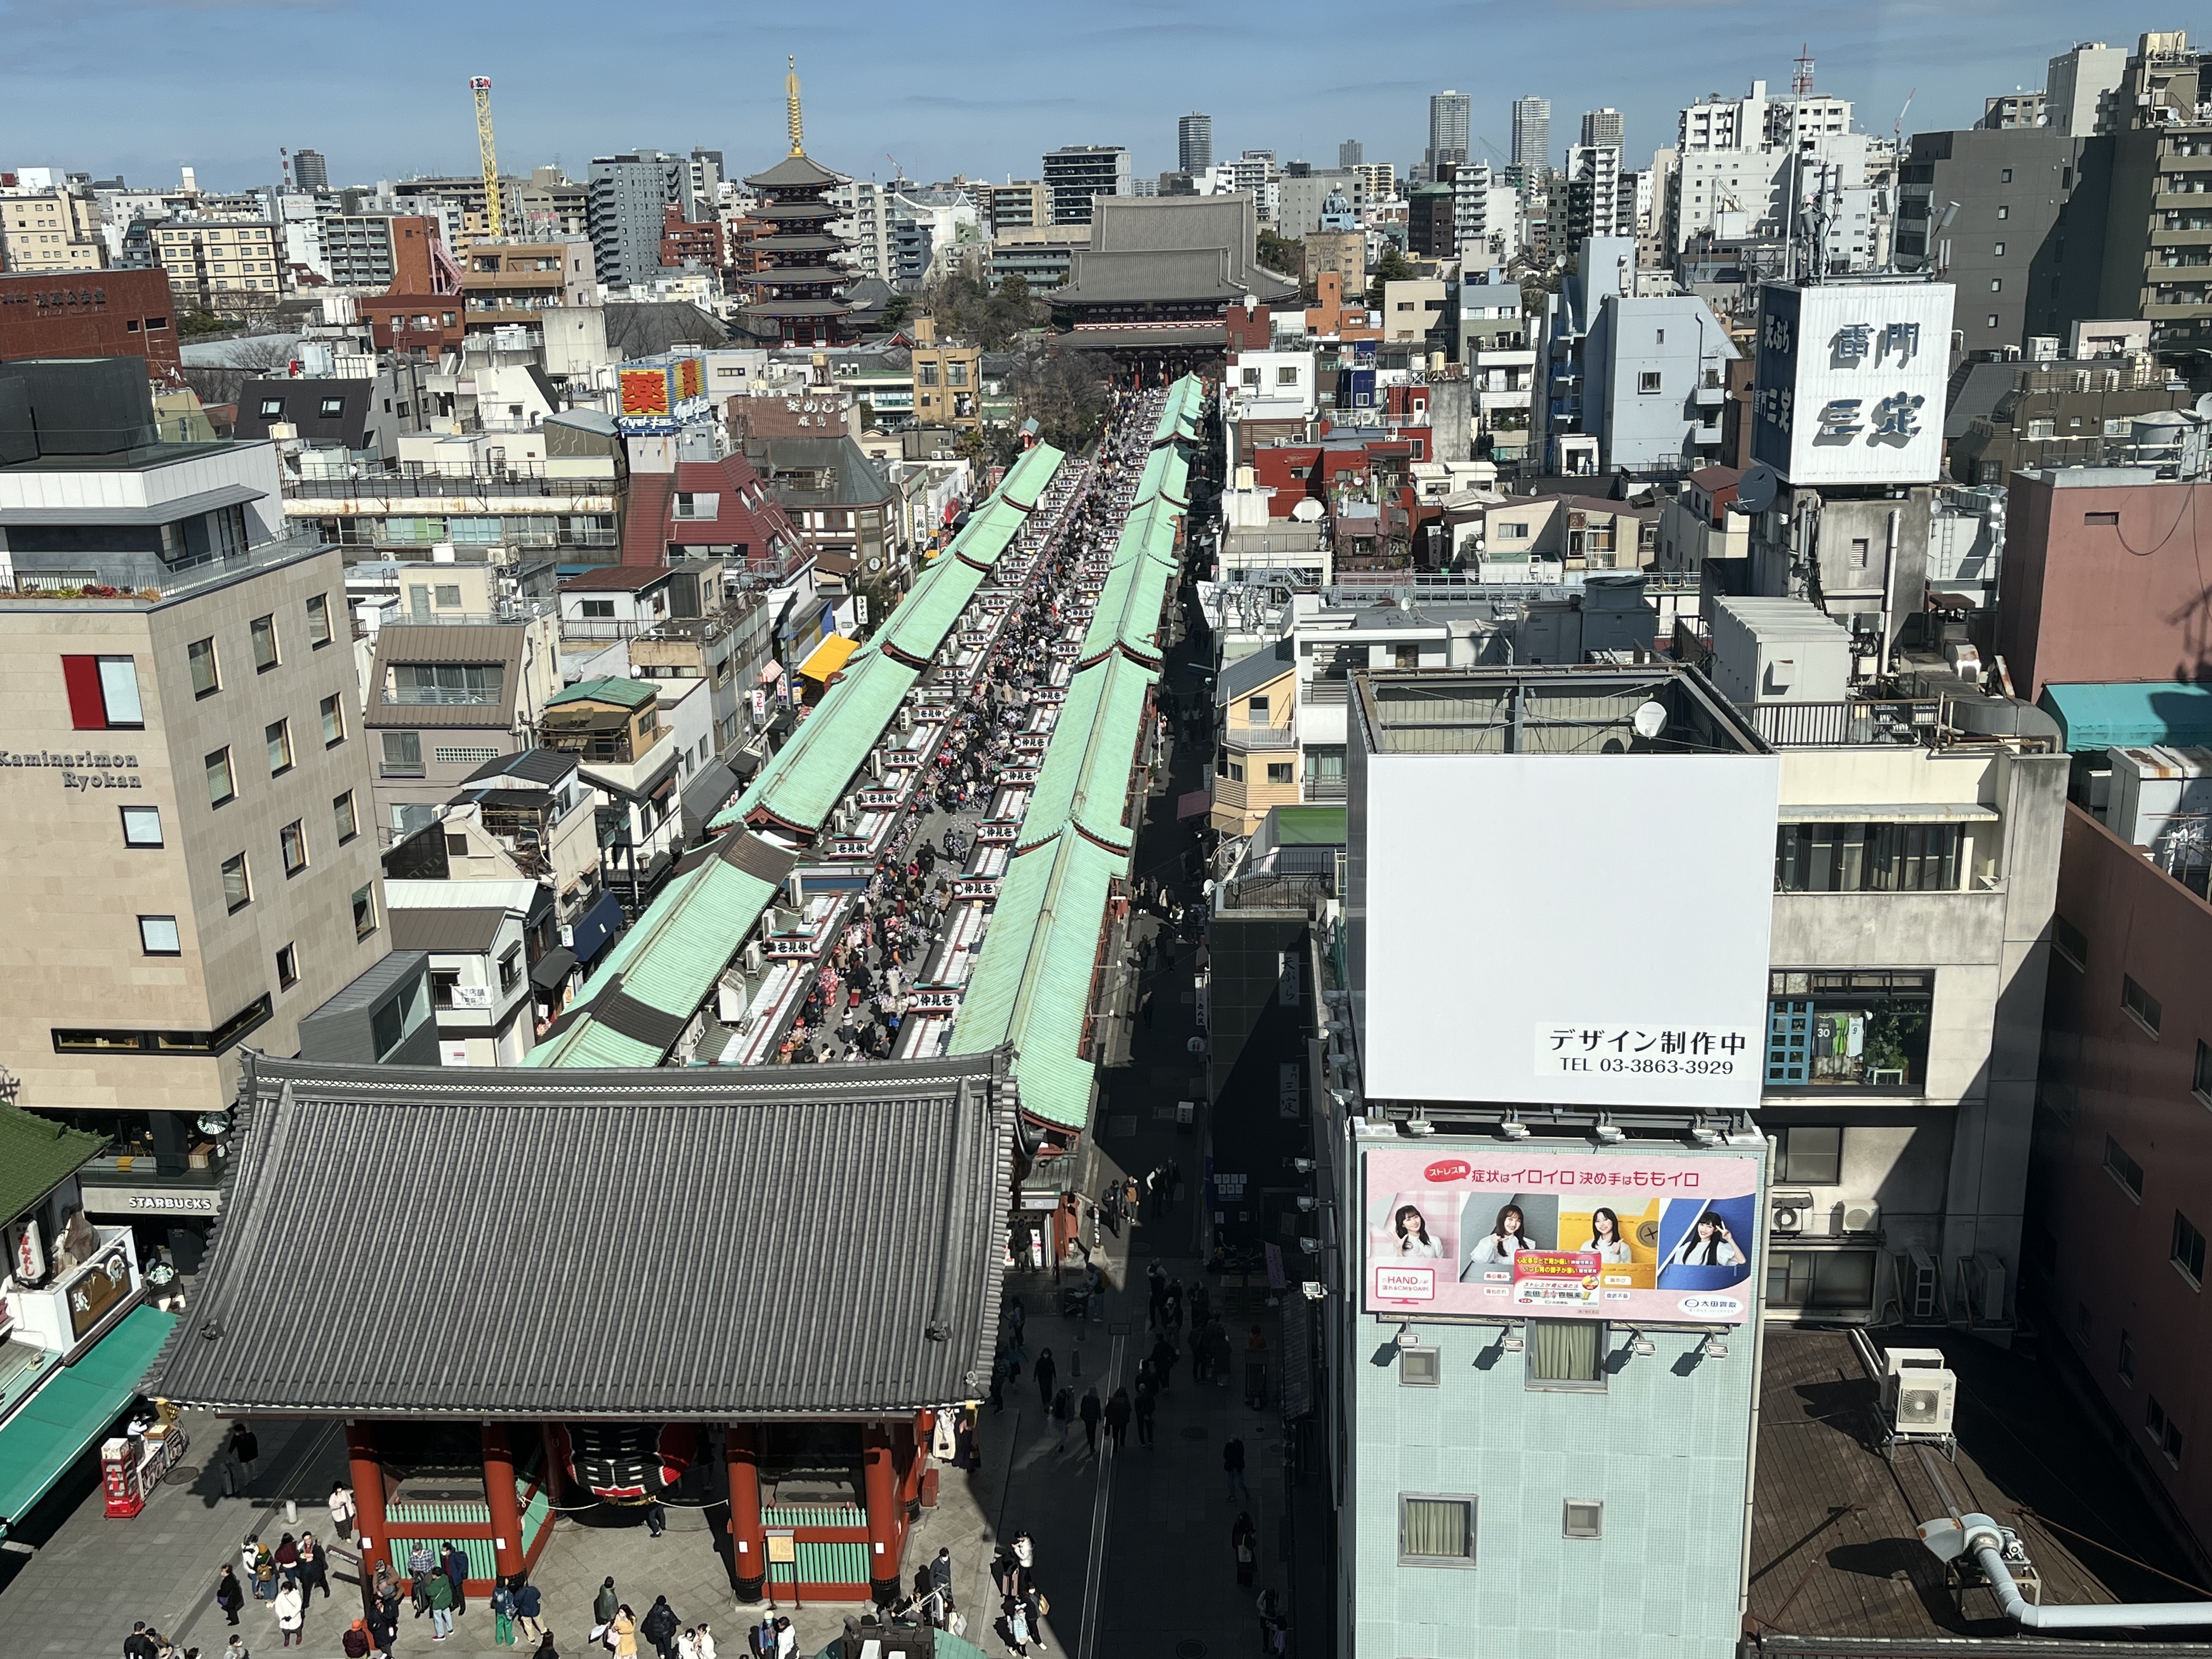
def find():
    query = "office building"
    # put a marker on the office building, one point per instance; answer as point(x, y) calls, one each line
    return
point(2002, 249)
point(51, 230)
point(310, 172)
point(229, 266)
point(1603, 126)
point(1194, 143)
point(1451, 114)
point(196, 731)
point(2081, 89)
point(1021, 204)
point(626, 200)
point(1349, 154)
point(1532, 134)
point(1075, 174)
point(121, 313)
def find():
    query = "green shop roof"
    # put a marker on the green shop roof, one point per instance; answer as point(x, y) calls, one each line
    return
point(36, 1156)
point(608, 688)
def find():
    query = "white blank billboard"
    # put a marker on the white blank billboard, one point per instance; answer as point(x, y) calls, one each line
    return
point(1588, 930)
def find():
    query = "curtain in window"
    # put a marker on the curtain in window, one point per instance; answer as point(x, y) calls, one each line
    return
point(1564, 1349)
point(1437, 1527)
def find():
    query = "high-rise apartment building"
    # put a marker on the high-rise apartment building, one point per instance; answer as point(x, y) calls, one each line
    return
point(56, 229)
point(2081, 89)
point(1593, 193)
point(625, 197)
point(1450, 115)
point(1351, 154)
point(309, 170)
point(1532, 132)
point(1603, 126)
point(1075, 174)
point(1194, 143)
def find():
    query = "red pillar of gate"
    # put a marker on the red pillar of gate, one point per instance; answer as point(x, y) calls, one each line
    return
point(748, 1533)
point(368, 1476)
point(882, 1490)
point(499, 1497)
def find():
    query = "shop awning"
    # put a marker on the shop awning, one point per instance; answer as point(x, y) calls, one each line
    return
point(598, 925)
point(2130, 713)
point(43, 1437)
point(555, 966)
point(1190, 806)
point(772, 673)
point(828, 657)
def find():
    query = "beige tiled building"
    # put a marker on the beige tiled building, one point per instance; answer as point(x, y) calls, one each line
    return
point(222, 265)
point(52, 230)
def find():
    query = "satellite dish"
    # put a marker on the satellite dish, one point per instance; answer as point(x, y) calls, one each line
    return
point(1308, 510)
point(1754, 491)
point(1649, 720)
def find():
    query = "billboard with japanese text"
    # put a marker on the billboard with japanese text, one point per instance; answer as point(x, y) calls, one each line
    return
point(1632, 1236)
point(1851, 379)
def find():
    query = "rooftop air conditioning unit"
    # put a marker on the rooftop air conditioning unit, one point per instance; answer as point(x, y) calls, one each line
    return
point(1920, 1393)
point(753, 957)
point(1790, 1212)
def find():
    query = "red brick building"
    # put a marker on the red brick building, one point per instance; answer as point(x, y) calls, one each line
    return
point(91, 314)
point(683, 240)
point(2104, 581)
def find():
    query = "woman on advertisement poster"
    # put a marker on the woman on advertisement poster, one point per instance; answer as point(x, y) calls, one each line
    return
point(1604, 1242)
point(1707, 1244)
point(1413, 1242)
point(1507, 1238)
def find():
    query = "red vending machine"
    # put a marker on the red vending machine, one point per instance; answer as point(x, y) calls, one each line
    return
point(118, 1469)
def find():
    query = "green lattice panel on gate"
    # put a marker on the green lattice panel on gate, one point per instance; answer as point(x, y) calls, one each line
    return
point(814, 1514)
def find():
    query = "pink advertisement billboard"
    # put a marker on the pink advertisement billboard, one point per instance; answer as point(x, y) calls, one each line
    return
point(1629, 1237)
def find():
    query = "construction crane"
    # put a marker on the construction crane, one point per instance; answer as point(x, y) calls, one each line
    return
point(481, 85)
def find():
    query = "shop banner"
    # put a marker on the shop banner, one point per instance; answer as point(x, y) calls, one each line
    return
point(1634, 1235)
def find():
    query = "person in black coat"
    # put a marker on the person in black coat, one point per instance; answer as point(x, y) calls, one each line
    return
point(230, 1595)
point(658, 1627)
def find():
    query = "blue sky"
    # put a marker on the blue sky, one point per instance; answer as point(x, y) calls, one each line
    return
point(983, 87)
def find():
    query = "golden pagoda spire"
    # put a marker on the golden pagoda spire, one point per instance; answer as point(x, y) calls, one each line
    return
point(791, 98)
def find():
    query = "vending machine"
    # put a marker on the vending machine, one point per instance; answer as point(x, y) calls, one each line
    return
point(119, 1473)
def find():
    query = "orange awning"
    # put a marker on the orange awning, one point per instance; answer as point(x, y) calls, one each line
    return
point(827, 658)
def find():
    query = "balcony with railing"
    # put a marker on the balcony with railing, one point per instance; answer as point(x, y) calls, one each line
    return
point(514, 611)
point(1260, 737)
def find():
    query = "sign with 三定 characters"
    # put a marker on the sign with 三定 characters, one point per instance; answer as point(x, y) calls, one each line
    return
point(1850, 382)
point(1636, 1235)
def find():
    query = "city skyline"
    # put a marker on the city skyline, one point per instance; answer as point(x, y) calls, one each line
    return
point(871, 94)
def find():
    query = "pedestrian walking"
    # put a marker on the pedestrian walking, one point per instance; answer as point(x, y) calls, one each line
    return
point(1145, 1403)
point(1232, 1469)
point(1163, 1360)
point(526, 1603)
point(356, 1643)
point(503, 1615)
point(1015, 1616)
point(457, 1573)
point(138, 1645)
point(659, 1626)
point(545, 1648)
point(1046, 1370)
point(1156, 1292)
point(1063, 1413)
point(787, 1638)
point(265, 1574)
point(1024, 1554)
point(656, 1520)
point(290, 1615)
point(438, 1593)
point(244, 1450)
point(1118, 1416)
point(314, 1568)
point(1034, 1607)
point(940, 1571)
point(624, 1631)
point(605, 1604)
point(341, 1511)
point(1244, 1545)
point(229, 1594)
point(1090, 1416)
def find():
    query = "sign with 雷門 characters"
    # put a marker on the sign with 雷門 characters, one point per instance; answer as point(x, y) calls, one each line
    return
point(1850, 384)
point(1636, 1236)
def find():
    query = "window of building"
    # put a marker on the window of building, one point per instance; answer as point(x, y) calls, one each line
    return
point(1998, 251)
point(1236, 771)
point(319, 621)
point(2071, 944)
point(1287, 374)
point(2126, 1364)
point(288, 967)
point(1436, 1531)
point(1251, 377)
point(103, 694)
point(2004, 213)
point(1867, 858)
point(272, 409)
point(1281, 772)
point(344, 821)
point(1821, 1281)
point(332, 408)
point(364, 911)
point(1990, 321)
point(925, 374)
point(2200, 1072)
point(333, 713)
point(292, 840)
point(2141, 1004)
point(1862, 1029)
point(1582, 1518)
point(2005, 176)
point(264, 629)
point(2188, 1250)
point(237, 883)
point(277, 735)
point(464, 684)
point(596, 610)
point(1566, 1353)
point(1256, 708)
point(141, 827)
point(158, 936)
point(402, 755)
point(2159, 1427)
point(207, 678)
point(2123, 1169)
point(220, 786)
point(1997, 284)
point(2041, 429)
point(510, 968)
point(1647, 379)
point(1812, 1155)
point(1421, 1368)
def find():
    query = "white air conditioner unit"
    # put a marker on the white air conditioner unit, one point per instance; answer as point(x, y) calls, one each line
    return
point(1922, 1398)
point(753, 957)
point(1855, 1215)
point(1790, 1213)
